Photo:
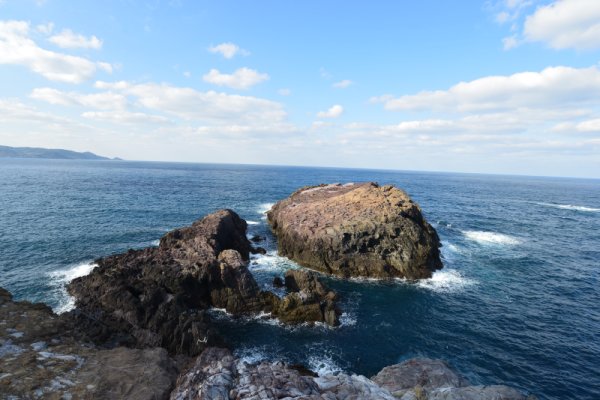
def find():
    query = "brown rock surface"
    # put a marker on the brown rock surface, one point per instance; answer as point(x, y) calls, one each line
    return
point(356, 230)
point(42, 355)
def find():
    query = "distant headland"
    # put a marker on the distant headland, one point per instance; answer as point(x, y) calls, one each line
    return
point(38, 152)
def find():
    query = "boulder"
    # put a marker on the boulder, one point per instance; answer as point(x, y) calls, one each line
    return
point(356, 230)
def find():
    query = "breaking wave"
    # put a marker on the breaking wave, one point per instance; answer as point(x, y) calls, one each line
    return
point(483, 237)
point(446, 281)
point(571, 207)
point(59, 280)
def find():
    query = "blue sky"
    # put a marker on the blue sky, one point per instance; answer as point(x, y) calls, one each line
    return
point(491, 86)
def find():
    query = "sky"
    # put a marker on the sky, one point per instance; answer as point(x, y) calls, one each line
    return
point(481, 86)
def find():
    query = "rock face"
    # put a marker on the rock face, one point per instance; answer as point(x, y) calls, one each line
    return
point(216, 374)
point(42, 355)
point(425, 379)
point(159, 296)
point(356, 230)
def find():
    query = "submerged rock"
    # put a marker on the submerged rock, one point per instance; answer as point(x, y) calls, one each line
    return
point(356, 230)
point(159, 296)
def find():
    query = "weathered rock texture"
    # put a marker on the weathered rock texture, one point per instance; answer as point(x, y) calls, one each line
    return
point(159, 296)
point(425, 379)
point(42, 355)
point(356, 230)
point(216, 374)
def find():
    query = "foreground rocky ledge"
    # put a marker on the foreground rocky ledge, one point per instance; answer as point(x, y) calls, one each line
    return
point(356, 230)
point(160, 296)
point(43, 355)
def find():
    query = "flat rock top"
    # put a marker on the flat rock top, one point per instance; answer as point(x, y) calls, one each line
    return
point(319, 207)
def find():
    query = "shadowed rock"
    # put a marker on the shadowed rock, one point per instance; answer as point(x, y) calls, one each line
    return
point(43, 355)
point(356, 230)
point(159, 296)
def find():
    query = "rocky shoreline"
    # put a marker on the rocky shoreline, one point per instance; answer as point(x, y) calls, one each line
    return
point(45, 356)
point(142, 326)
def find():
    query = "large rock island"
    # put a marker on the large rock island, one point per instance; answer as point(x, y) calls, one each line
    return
point(356, 230)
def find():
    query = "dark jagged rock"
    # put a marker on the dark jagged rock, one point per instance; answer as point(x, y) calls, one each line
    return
point(356, 230)
point(42, 355)
point(305, 288)
point(158, 296)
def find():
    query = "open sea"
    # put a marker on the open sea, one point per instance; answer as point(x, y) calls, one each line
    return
point(518, 301)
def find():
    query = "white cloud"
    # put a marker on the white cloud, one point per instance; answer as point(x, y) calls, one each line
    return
point(14, 110)
point(208, 107)
point(587, 126)
point(45, 29)
point(565, 24)
point(17, 48)
point(552, 87)
point(510, 42)
point(333, 112)
point(284, 92)
point(69, 40)
point(187, 74)
point(342, 84)
point(103, 101)
point(242, 78)
point(125, 117)
point(228, 50)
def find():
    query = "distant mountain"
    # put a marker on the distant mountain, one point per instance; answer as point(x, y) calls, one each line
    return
point(36, 152)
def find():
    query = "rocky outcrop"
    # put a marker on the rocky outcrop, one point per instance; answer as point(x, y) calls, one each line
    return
point(425, 379)
point(159, 296)
point(42, 355)
point(216, 374)
point(356, 230)
point(308, 300)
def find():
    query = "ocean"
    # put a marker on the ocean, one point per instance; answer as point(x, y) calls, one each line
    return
point(518, 300)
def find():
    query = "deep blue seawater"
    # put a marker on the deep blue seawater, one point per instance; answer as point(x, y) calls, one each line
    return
point(518, 301)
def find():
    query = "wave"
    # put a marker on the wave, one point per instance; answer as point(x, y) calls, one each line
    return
point(446, 281)
point(323, 364)
point(59, 280)
point(271, 262)
point(252, 222)
point(263, 208)
point(571, 207)
point(483, 237)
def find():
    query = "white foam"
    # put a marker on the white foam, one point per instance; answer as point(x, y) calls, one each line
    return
point(252, 222)
point(264, 207)
point(60, 278)
point(271, 262)
point(155, 242)
point(252, 355)
point(483, 237)
point(347, 319)
point(571, 207)
point(323, 364)
point(446, 281)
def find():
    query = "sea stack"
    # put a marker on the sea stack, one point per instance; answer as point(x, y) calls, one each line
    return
point(356, 230)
